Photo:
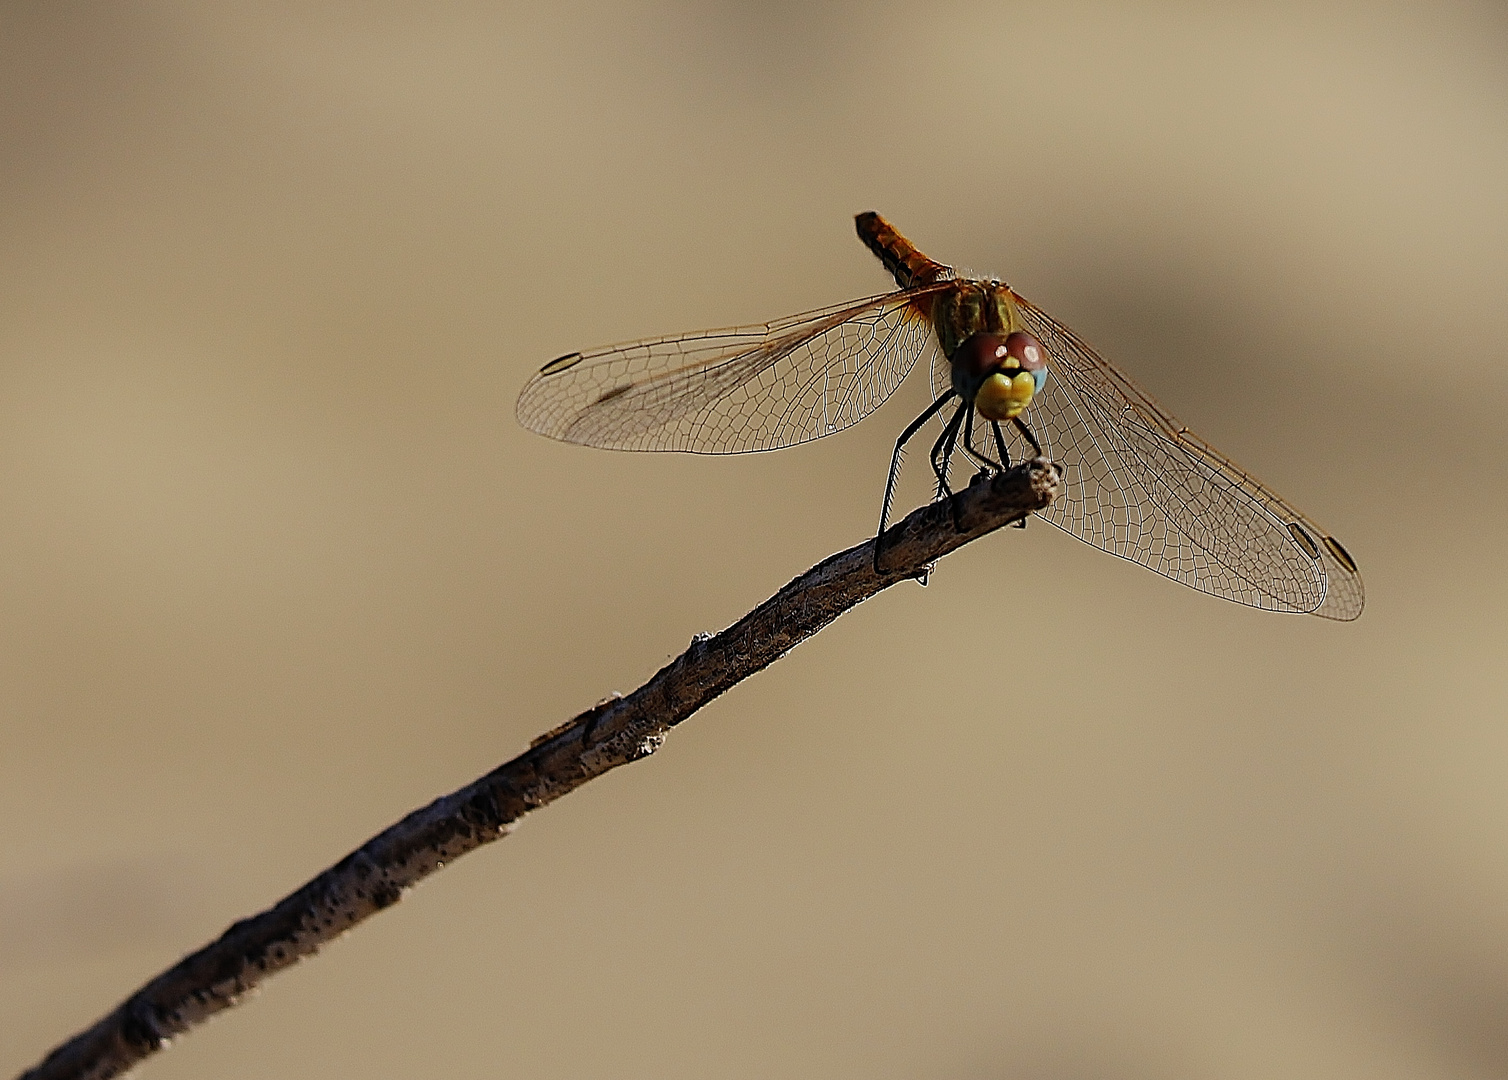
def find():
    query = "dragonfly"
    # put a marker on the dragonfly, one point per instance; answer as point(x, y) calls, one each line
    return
point(1136, 482)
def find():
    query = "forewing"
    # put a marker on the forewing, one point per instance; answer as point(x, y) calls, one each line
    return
point(734, 390)
point(1140, 485)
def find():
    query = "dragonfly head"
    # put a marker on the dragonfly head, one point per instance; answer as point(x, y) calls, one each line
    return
point(1000, 374)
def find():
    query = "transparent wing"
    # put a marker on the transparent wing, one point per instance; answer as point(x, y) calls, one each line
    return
point(738, 389)
point(942, 381)
point(1140, 485)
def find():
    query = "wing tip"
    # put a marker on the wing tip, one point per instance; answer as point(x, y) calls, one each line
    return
point(561, 363)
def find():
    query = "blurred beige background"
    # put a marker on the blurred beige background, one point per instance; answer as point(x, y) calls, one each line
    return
point(278, 565)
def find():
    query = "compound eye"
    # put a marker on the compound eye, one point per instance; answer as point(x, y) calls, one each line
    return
point(1026, 350)
point(980, 354)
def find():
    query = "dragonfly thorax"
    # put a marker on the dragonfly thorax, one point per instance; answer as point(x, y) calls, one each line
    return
point(972, 307)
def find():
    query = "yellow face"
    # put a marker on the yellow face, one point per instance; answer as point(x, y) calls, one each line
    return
point(1005, 394)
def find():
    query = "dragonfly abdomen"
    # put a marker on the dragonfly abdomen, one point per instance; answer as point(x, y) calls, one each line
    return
point(906, 264)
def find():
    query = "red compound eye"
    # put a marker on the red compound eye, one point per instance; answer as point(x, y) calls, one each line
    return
point(1026, 350)
point(980, 355)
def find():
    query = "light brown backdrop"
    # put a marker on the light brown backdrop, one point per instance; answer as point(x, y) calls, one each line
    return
point(277, 564)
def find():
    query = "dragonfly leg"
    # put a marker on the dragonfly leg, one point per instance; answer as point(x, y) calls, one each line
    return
point(987, 464)
point(1005, 455)
point(942, 454)
point(895, 468)
point(1021, 425)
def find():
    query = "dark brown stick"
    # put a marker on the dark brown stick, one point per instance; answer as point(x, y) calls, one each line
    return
point(613, 733)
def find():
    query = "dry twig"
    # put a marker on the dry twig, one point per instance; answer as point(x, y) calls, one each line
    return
point(613, 733)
